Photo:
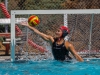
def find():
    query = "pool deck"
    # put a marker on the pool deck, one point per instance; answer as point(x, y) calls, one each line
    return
point(8, 58)
point(2, 58)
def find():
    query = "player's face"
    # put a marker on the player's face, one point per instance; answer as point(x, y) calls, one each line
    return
point(59, 33)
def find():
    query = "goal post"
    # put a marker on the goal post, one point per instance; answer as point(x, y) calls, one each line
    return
point(65, 13)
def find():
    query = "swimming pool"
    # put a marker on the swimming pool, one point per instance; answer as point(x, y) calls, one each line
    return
point(50, 67)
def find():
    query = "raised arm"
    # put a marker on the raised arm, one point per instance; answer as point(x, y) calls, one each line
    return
point(70, 47)
point(44, 36)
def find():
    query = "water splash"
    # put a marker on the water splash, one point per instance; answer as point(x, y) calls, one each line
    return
point(25, 55)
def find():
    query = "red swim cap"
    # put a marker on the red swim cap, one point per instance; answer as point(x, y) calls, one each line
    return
point(64, 28)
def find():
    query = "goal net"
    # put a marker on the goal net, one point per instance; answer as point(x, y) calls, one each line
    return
point(84, 34)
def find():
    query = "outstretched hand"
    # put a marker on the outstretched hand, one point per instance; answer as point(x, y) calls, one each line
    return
point(24, 23)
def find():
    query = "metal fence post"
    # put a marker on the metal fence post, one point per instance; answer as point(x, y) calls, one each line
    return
point(66, 24)
point(6, 4)
point(91, 25)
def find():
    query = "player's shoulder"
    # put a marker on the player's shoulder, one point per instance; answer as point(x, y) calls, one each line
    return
point(68, 44)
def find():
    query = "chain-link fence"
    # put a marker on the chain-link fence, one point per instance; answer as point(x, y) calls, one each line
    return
point(50, 4)
point(82, 34)
point(80, 25)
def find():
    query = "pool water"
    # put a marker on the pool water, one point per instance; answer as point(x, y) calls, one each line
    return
point(50, 67)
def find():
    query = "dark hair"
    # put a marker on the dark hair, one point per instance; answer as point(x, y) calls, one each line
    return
point(64, 33)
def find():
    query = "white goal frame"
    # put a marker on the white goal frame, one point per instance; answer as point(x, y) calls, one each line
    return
point(23, 12)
